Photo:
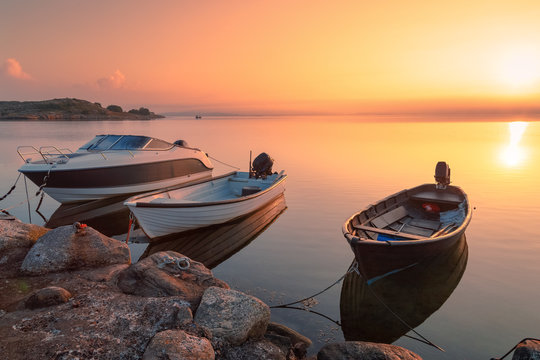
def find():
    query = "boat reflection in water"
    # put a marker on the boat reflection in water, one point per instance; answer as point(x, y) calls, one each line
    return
point(211, 245)
point(413, 293)
point(214, 244)
point(108, 216)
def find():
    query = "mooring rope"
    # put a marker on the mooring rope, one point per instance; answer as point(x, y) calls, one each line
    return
point(224, 163)
point(426, 341)
point(512, 349)
point(310, 297)
point(12, 188)
point(354, 268)
point(28, 201)
point(39, 205)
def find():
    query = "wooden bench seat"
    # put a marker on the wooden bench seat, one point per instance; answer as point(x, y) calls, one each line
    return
point(389, 218)
point(389, 232)
point(438, 197)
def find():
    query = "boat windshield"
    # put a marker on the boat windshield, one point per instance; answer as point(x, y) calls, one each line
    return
point(125, 142)
point(131, 143)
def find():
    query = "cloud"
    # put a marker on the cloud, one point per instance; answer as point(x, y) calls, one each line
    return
point(114, 81)
point(13, 68)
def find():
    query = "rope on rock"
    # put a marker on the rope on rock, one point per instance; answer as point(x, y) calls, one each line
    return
point(512, 349)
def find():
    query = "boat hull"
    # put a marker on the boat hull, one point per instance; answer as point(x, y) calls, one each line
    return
point(414, 293)
point(377, 260)
point(163, 220)
point(77, 185)
point(82, 194)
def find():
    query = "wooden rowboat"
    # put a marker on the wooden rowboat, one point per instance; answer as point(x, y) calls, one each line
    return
point(408, 226)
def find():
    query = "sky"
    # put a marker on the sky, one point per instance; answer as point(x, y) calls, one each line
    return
point(271, 57)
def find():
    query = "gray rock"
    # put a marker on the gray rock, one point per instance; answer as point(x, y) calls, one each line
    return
point(16, 239)
point(261, 350)
point(159, 275)
point(527, 350)
point(101, 323)
point(365, 350)
point(178, 345)
point(104, 274)
point(48, 296)
point(232, 316)
point(66, 248)
point(288, 339)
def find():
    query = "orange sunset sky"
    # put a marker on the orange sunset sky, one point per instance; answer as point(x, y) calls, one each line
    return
point(257, 57)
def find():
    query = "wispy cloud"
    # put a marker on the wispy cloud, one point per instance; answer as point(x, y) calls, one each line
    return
point(114, 81)
point(13, 69)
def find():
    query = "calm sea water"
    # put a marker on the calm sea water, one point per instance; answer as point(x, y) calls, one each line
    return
point(338, 165)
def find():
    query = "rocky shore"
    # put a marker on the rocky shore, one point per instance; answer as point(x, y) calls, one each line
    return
point(72, 293)
point(69, 109)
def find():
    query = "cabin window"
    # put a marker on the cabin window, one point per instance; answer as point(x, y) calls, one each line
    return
point(131, 143)
point(156, 144)
point(106, 143)
point(92, 142)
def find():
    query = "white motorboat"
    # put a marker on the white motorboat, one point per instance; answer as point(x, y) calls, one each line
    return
point(216, 201)
point(113, 165)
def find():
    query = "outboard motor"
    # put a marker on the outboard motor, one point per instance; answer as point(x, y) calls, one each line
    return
point(262, 165)
point(181, 143)
point(442, 175)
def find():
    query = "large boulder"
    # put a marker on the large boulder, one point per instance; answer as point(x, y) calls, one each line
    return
point(232, 316)
point(99, 322)
point(16, 239)
point(288, 340)
point(168, 273)
point(178, 345)
point(260, 350)
point(365, 350)
point(49, 296)
point(527, 350)
point(70, 248)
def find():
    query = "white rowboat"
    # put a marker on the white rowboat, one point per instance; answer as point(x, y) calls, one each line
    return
point(202, 204)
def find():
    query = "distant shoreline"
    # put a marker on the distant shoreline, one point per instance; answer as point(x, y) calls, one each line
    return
point(68, 109)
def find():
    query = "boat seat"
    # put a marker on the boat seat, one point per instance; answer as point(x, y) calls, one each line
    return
point(169, 201)
point(389, 232)
point(438, 196)
point(389, 218)
point(423, 223)
point(409, 229)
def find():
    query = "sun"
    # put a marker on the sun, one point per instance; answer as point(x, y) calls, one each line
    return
point(519, 68)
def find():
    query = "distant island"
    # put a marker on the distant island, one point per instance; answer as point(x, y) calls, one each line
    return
point(69, 109)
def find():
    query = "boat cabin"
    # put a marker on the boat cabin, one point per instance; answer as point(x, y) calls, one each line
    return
point(124, 142)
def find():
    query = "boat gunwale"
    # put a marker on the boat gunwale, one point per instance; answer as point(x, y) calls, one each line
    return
point(133, 203)
point(356, 240)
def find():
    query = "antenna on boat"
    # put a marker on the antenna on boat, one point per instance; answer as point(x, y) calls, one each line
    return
point(250, 169)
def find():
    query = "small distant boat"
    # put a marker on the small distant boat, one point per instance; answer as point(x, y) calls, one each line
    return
point(113, 165)
point(209, 202)
point(198, 117)
point(408, 226)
